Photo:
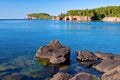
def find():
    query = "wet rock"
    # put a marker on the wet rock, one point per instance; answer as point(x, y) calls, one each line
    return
point(85, 55)
point(61, 76)
point(84, 76)
point(54, 52)
point(113, 74)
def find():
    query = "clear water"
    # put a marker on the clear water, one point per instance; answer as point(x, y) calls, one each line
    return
point(20, 39)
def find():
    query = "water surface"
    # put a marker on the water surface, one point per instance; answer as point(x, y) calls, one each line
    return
point(20, 39)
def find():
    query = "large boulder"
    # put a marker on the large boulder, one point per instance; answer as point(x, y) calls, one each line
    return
point(61, 76)
point(113, 74)
point(85, 55)
point(84, 76)
point(54, 52)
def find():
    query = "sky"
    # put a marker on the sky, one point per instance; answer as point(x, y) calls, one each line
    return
point(18, 9)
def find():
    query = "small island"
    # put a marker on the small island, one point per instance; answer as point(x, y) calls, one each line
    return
point(107, 14)
point(38, 16)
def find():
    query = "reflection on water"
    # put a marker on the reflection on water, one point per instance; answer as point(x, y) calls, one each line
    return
point(20, 39)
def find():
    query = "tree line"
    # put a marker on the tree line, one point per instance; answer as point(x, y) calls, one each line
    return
point(40, 15)
point(97, 13)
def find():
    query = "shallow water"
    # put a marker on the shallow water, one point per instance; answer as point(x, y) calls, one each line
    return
point(20, 39)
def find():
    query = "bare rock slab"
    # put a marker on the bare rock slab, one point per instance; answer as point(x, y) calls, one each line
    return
point(113, 74)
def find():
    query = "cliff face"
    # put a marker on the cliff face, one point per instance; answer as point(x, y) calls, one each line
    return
point(73, 18)
point(29, 17)
point(77, 18)
point(111, 19)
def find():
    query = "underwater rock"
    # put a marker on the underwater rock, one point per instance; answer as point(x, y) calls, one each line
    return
point(14, 76)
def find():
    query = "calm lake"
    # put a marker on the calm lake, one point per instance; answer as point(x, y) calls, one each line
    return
point(20, 39)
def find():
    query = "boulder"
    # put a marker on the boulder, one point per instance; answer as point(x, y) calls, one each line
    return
point(85, 55)
point(54, 52)
point(84, 76)
point(113, 74)
point(61, 76)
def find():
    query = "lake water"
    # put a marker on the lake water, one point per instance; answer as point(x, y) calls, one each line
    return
point(20, 39)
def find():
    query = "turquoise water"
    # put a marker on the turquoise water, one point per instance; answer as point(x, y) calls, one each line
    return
point(20, 39)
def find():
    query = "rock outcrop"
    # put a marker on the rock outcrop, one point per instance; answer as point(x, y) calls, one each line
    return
point(77, 18)
point(84, 76)
point(113, 74)
point(109, 61)
point(61, 76)
point(54, 52)
point(111, 19)
point(85, 55)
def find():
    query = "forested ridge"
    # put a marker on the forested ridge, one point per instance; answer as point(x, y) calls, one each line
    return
point(96, 13)
point(40, 15)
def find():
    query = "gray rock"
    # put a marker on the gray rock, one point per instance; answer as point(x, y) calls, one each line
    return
point(85, 55)
point(112, 66)
point(103, 55)
point(54, 52)
point(61, 76)
point(84, 76)
point(113, 74)
point(109, 61)
point(104, 64)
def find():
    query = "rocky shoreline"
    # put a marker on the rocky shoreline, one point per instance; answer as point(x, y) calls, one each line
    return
point(107, 63)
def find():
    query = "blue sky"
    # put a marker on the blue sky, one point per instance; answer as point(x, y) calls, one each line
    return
point(19, 8)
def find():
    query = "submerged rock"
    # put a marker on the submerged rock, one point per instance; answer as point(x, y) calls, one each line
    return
point(54, 52)
point(61, 76)
point(85, 55)
point(84, 76)
point(14, 76)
